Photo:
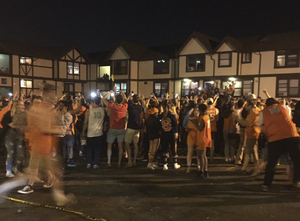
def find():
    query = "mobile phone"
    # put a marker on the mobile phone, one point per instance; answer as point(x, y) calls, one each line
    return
point(112, 94)
point(132, 93)
point(176, 95)
point(152, 95)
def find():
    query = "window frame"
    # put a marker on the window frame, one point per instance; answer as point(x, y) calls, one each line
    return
point(158, 72)
point(288, 78)
point(195, 56)
point(230, 59)
point(161, 90)
point(122, 89)
point(26, 80)
point(73, 68)
point(242, 88)
point(250, 58)
point(114, 67)
point(286, 54)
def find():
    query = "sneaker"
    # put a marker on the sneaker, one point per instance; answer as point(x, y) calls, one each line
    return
point(26, 190)
point(9, 174)
point(176, 166)
point(200, 174)
point(88, 165)
point(205, 174)
point(165, 167)
point(96, 166)
point(154, 165)
point(50, 182)
point(71, 163)
point(150, 166)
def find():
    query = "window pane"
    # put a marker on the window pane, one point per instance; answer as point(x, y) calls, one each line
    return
point(280, 60)
point(76, 68)
point(70, 68)
point(225, 56)
point(294, 83)
point(194, 85)
point(195, 62)
point(294, 91)
point(282, 89)
point(123, 86)
point(238, 84)
point(4, 63)
point(161, 66)
point(237, 92)
point(118, 87)
point(292, 60)
point(282, 81)
point(224, 62)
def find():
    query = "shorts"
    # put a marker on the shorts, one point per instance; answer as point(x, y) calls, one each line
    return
point(132, 135)
point(115, 133)
point(250, 144)
point(213, 135)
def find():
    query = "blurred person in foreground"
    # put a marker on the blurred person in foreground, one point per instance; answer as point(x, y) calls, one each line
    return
point(41, 136)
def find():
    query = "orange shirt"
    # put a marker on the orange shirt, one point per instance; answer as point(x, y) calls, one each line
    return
point(229, 123)
point(192, 135)
point(212, 113)
point(3, 111)
point(252, 131)
point(204, 136)
point(278, 124)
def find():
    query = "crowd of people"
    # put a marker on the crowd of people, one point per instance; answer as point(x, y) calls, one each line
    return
point(41, 133)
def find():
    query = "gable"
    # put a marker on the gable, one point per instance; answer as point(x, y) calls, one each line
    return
point(225, 47)
point(73, 55)
point(193, 47)
point(119, 54)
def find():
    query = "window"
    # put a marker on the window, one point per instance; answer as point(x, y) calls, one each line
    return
point(185, 88)
point(160, 88)
point(286, 58)
point(225, 59)
point(246, 57)
point(121, 86)
point(120, 67)
point(25, 60)
point(288, 87)
point(247, 87)
point(73, 68)
point(244, 87)
point(26, 84)
point(161, 67)
point(195, 62)
point(4, 64)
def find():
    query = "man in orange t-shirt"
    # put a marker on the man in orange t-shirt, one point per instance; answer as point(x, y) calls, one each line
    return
point(283, 138)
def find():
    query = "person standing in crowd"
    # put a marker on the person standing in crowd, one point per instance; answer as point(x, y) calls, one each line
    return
point(135, 119)
point(93, 123)
point(241, 113)
point(192, 138)
point(213, 113)
point(282, 138)
point(153, 127)
point(15, 121)
point(203, 140)
point(118, 111)
point(169, 129)
point(252, 132)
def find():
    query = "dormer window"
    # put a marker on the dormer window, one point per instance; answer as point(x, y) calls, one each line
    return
point(246, 57)
point(195, 62)
point(161, 66)
point(225, 59)
point(73, 68)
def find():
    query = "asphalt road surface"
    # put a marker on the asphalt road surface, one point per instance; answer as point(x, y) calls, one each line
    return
point(140, 194)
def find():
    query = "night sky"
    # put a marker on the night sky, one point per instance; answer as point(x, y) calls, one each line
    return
point(98, 25)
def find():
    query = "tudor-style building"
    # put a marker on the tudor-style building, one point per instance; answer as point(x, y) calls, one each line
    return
point(26, 67)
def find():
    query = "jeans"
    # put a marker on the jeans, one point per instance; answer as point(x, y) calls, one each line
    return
point(240, 151)
point(168, 141)
point(15, 153)
point(229, 145)
point(275, 150)
point(93, 149)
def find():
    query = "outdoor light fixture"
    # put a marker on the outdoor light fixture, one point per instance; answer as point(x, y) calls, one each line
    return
point(212, 82)
point(10, 94)
point(93, 94)
point(199, 88)
point(231, 79)
point(186, 80)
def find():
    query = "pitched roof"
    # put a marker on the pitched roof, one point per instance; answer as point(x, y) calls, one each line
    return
point(37, 51)
point(207, 41)
point(100, 58)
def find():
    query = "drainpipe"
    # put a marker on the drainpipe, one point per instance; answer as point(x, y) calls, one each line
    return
point(237, 63)
point(259, 72)
point(214, 64)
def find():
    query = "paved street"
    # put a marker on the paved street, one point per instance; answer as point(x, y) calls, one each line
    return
point(129, 194)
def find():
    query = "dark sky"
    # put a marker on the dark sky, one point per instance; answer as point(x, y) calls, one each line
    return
point(98, 25)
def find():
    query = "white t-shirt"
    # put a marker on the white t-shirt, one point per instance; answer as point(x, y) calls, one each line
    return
point(95, 124)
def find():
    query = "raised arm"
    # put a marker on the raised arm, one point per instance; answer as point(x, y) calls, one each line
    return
point(266, 93)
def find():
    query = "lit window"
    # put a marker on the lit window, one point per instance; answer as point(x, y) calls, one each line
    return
point(161, 67)
point(160, 88)
point(195, 62)
point(4, 64)
point(225, 59)
point(288, 87)
point(26, 84)
point(246, 58)
point(120, 67)
point(73, 68)
point(121, 87)
point(287, 58)
point(25, 60)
